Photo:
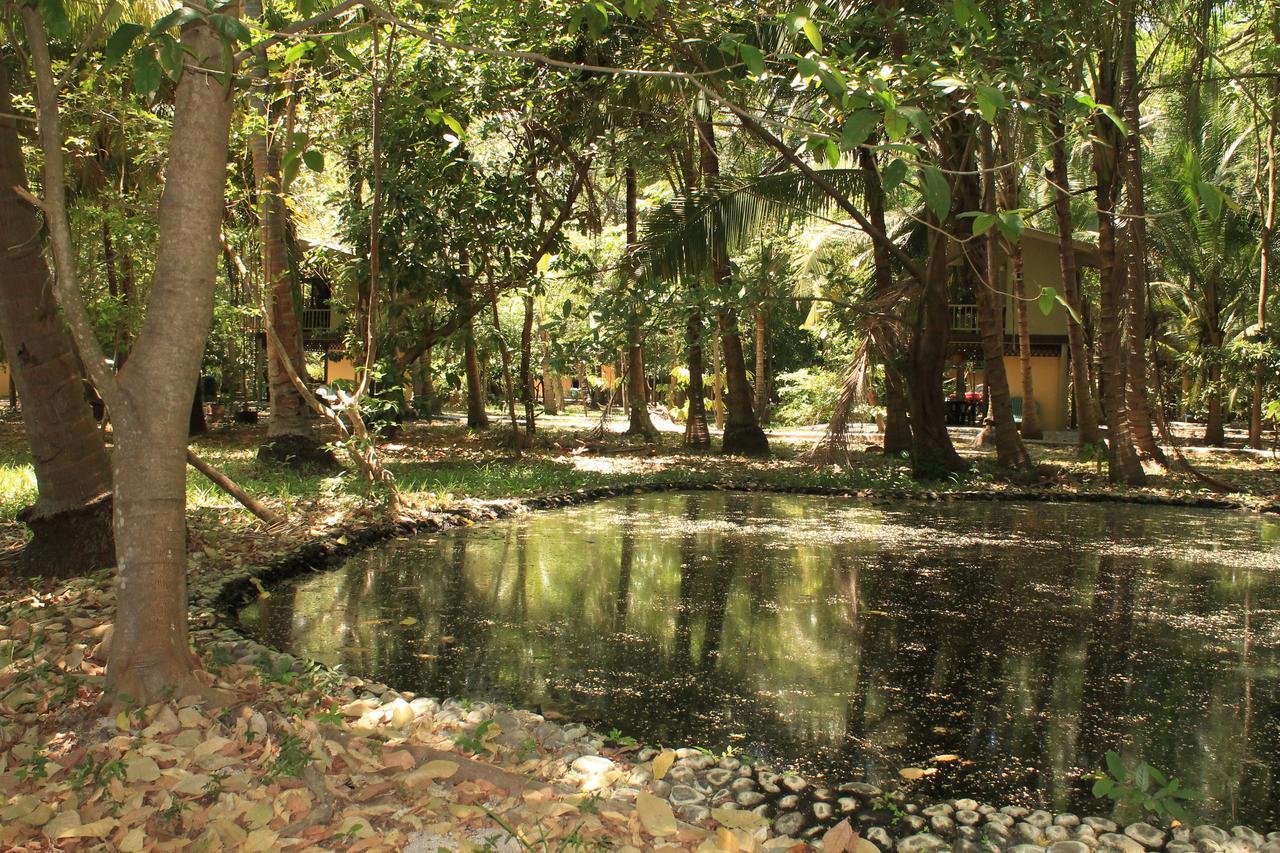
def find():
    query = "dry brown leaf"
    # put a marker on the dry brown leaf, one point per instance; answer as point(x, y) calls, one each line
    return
point(656, 815)
point(738, 819)
point(662, 763)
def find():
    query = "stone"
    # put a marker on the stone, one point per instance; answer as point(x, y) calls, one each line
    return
point(699, 762)
point(1246, 834)
point(824, 794)
point(1100, 824)
point(788, 823)
point(1069, 847)
point(742, 784)
point(684, 795)
point(996, 832)
point(693, 813)
point(1000, 819)
point(848, 805)
point(1147, 835)
point(723, 797)
point(942, 825)
point(592, 765)
point(1040, 819)
point(1123, 843)
point(1273, 836)
point(880, 837)
point(862, 789)
point(1054, 834)
point(1067, 819)
point(822, 811)
point(1207, 832)
point(1208, 845)
point(1028, 832)
point(911, 824)
point(922, 843)
point(1269, 847)
point(968, 817)
point(790, 801)
point(730, 763)
point(1026, 848)
point(718, 776)
point(1179, 847)
point(1239, 845)
point(794, 784)
point(984, 809)
point(965, 805)
point(661, 788)
point(937, 809)
point(1015, 812)
point(965, 845)
point(682, 776)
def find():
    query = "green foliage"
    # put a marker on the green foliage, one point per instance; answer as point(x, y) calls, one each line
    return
point(1141, 787)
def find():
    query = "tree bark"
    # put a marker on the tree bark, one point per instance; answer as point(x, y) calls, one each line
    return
point(742, 432)
point(1267, 192)
point(1124, 465)
point(526, 365)
point(291, 438)
point(71, 518)
point(1089, 438)
point(762, 363)
point(1030, 416)
point(638, 391)
point(150, 657)
point(697, 435)
point(932, 452)
point(550, 382)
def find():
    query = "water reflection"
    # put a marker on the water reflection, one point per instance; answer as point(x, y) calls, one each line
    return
point(845, 640)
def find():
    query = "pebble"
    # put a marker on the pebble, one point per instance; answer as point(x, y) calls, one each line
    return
point(921, 843)
point(1180, 847)
point(847, 804)
point(694, 813)
point(965, 805)
point(862, 789)
point(1028, 832)
point(942, 825)
point(1147, 835)
point(592, 765)
point(788, 823)
point(1054, 834)
point(790, 801)
point(684, 795)
point(794, 784)
point(1123, 843)
point(718, 776)
point(742, 784)
point(1040, 819)
point(1239, 845)
point(1244, 833)
point(1067, 819)
point(822, 811)
point(968, 817)
point(1206, 832)
point(1100, 824)
point(1069, 847)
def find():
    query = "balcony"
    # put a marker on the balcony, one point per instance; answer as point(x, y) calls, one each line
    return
point(317, 324)
point(964, 318)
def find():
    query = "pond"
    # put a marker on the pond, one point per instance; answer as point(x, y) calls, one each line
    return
point(1007, 645)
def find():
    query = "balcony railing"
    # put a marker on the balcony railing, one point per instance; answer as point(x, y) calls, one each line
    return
point(964, 318)
point(316, 320)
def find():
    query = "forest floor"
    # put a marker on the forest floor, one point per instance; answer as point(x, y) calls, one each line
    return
point(300, 760)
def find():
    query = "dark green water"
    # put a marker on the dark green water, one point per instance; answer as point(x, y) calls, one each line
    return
point(844, 640)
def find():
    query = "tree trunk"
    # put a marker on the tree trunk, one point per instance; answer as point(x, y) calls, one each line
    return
point(985, 270)
point(550, 381)
point(71, 518)
point(1215, 433)
point(1136, 219)
point(1030, 416)
point(762, 363)
point(1089, 437)
point(1124, 465)
point(638, 397)
point(150, 658)
point(742, 432)
point(291, 437)
point(696, 434)
point(1267, 192)
point(897, 426)
point(717, 384)
point(526, 365)
point(932, 452)
point(504, 353)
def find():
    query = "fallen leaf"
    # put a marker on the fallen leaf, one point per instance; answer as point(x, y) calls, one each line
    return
point(656, 815)
point(947, 757)
point(408, 621)
point(438, 769)
point(663, 763)
point(141, 769)
point(914, 773)
point(738, 819)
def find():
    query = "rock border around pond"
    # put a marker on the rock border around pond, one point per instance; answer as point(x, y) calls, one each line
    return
point(700, 786)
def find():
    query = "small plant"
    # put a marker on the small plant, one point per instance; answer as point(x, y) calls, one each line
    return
point(1144, 788)
point(291, 760)
point(474, 742)
point(616, 736)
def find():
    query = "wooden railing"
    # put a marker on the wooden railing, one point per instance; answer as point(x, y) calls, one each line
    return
point(964, 318)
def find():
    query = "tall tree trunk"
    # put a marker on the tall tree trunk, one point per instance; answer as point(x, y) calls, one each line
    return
point(1089, 437)
point(762, 363)
point(526, 365)
point(150, 657)
point(1267, 191)
point(985, 271)
point(742, 432)
point(638, 397)
point(932, 452)
point(1030, 415)
point(517, 441)
point(697, 436)
point(70, 521)
point(1124, 465)
point(1137, 396)
point(897, 426)
point(717, 384)
point(1215, 433)
point(550, 380)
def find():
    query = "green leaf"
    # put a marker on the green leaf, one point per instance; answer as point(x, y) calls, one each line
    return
point(1011, 225)
point(982, 223)
point(146, 72)
point(1141, 776)
point(937, 191)
point(894, 174)
point(753, 58)
point(1160, 778)
point(833, 154)
point(567, 309)
point(1048, 298)
point(1102, 788)
point(806, 67)
point(1115, 766)
point(990, 101)
point(919, 119)
point(814, 35)
point(895, 124)
point(171, 55)
point(314, 160)
point(177, 18)
point(857, 128)
point(452, 123)
point(834, 83)
point(120, 42)
point(55, 18)
point(1211, 197)
point(230, 28)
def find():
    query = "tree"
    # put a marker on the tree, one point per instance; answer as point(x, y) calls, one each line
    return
point(71, 518)
point(150, 398)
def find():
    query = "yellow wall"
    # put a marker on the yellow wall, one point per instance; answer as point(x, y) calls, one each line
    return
point(1048, 380)
point(1041, 268)
point(341, 369)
